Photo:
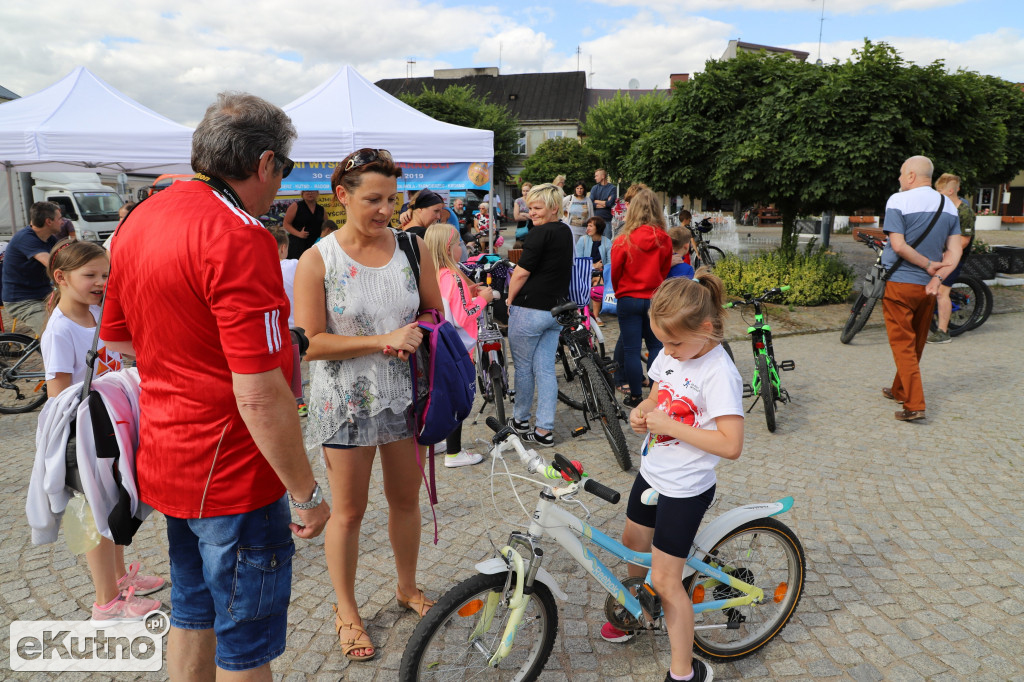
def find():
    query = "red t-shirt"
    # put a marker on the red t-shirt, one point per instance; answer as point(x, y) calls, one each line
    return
point(196, 287)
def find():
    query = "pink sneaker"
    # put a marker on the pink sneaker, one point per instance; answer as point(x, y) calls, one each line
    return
point(143, 584)
point(125, 606)
point(610, 633)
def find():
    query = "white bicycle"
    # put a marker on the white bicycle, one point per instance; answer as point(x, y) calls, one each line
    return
point(744, 575)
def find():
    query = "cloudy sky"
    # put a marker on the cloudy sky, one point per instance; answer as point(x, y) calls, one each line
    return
point(175, 56)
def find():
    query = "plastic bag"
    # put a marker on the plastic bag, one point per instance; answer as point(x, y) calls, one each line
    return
point(79, 526)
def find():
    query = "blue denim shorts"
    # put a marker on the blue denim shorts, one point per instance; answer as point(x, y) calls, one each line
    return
point(234, 574)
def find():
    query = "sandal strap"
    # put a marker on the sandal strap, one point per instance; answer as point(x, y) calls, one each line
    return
point(416, 603)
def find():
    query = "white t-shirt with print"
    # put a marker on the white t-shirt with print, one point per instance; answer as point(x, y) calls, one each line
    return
point(288, 267)
point(693, 392)
point(65, 344)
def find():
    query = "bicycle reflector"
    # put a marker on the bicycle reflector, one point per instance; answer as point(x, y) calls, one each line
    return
point(698, 594)
point(759, 345)
point(780, 592)
point(472, 608)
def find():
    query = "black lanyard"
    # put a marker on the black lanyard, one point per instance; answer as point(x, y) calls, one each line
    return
point(223, 188)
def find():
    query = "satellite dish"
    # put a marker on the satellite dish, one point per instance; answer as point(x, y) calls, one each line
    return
point(634, 84)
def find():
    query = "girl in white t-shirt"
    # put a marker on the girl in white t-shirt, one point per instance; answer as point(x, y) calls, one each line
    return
point(692, 418)
point(80, 270)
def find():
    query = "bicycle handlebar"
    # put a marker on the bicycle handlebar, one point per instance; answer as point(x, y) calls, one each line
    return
point(559, 468)
point(750, 299)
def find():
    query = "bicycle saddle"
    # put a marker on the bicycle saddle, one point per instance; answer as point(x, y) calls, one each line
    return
point(563, 308)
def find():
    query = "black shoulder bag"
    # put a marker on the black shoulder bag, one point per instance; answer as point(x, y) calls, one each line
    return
point(874, 283)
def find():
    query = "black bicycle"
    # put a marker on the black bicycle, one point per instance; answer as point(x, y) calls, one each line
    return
point(971, 298)
point(588, 383)
point(706, 253)
point(22, 376)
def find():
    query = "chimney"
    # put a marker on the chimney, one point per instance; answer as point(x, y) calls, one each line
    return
point(678, 78)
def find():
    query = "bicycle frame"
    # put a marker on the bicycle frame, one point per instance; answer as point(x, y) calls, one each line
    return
point(13, 370)
point(761, 344)
point(490, 350)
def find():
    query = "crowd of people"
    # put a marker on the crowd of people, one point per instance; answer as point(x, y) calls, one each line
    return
point(224, 291)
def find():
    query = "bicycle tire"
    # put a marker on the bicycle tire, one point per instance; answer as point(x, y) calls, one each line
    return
point(441, 646)
point(497, 390)
point(20, 394)
point(765, 390)
point(986, 311)
point(859, 315)
point(569, 392)
point(772, 558)
point(970, 304)
point(715, 254)
point(607, 412)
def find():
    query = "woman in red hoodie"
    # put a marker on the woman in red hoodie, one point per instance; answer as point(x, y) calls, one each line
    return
point(641, 258)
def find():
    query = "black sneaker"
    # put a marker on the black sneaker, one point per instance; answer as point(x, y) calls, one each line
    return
point(702, 672)
point(632, 400)
point(519, 427)
point(545, 441)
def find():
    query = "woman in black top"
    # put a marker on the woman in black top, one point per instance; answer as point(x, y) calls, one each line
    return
point(540, 282)
point(303, 221)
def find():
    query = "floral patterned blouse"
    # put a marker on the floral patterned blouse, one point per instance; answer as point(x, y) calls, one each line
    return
point(361, 301)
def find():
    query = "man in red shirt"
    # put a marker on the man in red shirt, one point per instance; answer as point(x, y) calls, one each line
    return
point(196, 295)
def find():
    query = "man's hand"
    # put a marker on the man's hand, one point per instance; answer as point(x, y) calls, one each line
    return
point(313, 521)
point(932, 288)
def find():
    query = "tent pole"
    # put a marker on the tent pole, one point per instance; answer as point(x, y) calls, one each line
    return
point(10, 195)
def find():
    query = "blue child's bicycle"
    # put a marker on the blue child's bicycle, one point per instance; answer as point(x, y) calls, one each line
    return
point(745, 575)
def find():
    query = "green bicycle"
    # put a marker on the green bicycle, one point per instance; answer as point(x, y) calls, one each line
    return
point(765, 385)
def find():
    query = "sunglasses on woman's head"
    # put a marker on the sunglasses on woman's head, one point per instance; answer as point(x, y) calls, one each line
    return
point(361, 158)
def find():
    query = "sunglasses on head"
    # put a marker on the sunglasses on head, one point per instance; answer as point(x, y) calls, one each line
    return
point(365, 156)
point(284, 160)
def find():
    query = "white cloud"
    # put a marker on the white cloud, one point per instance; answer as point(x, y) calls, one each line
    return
point(831, 6)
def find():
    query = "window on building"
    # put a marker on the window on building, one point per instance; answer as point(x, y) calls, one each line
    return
point(552, 134)
point(520, 148)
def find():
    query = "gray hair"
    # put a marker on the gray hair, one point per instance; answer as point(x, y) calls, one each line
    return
point(235, 132)
point(41, 211)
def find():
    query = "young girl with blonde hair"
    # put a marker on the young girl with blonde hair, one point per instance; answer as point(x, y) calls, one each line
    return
point(80, 270)
point(692, 419)
point(463, 304)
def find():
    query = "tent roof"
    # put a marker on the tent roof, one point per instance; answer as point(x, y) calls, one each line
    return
point(81, 122)
point(348, 112)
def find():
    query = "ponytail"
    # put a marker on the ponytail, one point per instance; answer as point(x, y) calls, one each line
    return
point(681, 306)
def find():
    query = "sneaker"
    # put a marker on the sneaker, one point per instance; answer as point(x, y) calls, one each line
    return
point(143, 584)
point(303, 409)
point(545, 441)
point(125, 606)
point(702, 672)
point(632, 400)
point(519, 427)
point(939, 336)
point(610, 633)
point(462, 459)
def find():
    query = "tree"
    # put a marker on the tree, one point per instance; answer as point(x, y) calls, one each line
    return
point(768, 129)
point(561, 156)
point(612, 126)
point(459, 105)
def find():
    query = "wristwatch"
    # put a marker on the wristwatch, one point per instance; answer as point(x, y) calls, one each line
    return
point(314, 500)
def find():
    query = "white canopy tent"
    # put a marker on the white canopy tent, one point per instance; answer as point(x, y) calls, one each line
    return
point(348, 112)
point(81, 123)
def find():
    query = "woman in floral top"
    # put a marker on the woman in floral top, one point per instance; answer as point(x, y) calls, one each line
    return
point(357, 298)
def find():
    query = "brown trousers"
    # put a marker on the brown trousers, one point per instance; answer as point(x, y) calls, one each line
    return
point(908, 316)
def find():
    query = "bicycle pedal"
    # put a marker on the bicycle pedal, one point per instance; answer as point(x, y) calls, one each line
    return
point(784, 396)
point(787, 365)
point(748, 390)
point(579, 431)
point(649, 599)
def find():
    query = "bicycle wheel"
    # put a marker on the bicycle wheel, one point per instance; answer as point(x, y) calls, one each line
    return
point(765, 390)
point(569, 391)
point(459, 635)
point(607, 412)
point(765, 553)
point(859, 315)
point(498, 390)
point(968, 298)
point(714, 255)
point(22, 376)
point(987, 309)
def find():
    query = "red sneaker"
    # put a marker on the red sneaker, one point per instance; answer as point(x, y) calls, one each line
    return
point(610, 633)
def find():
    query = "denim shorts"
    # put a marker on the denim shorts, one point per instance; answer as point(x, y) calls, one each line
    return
point(234, 574)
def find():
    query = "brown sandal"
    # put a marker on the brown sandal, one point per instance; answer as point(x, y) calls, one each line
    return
point(419, 604)
point(350, 645)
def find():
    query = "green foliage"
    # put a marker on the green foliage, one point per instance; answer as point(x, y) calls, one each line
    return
point(561, 156)
point(459, 105)
point(767, 129)
point(816, 276)
point(612, 126)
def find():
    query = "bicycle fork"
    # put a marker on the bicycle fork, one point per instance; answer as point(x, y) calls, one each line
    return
point(524, 577)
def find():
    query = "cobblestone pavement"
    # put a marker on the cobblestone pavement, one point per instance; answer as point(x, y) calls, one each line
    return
point(913, 531)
